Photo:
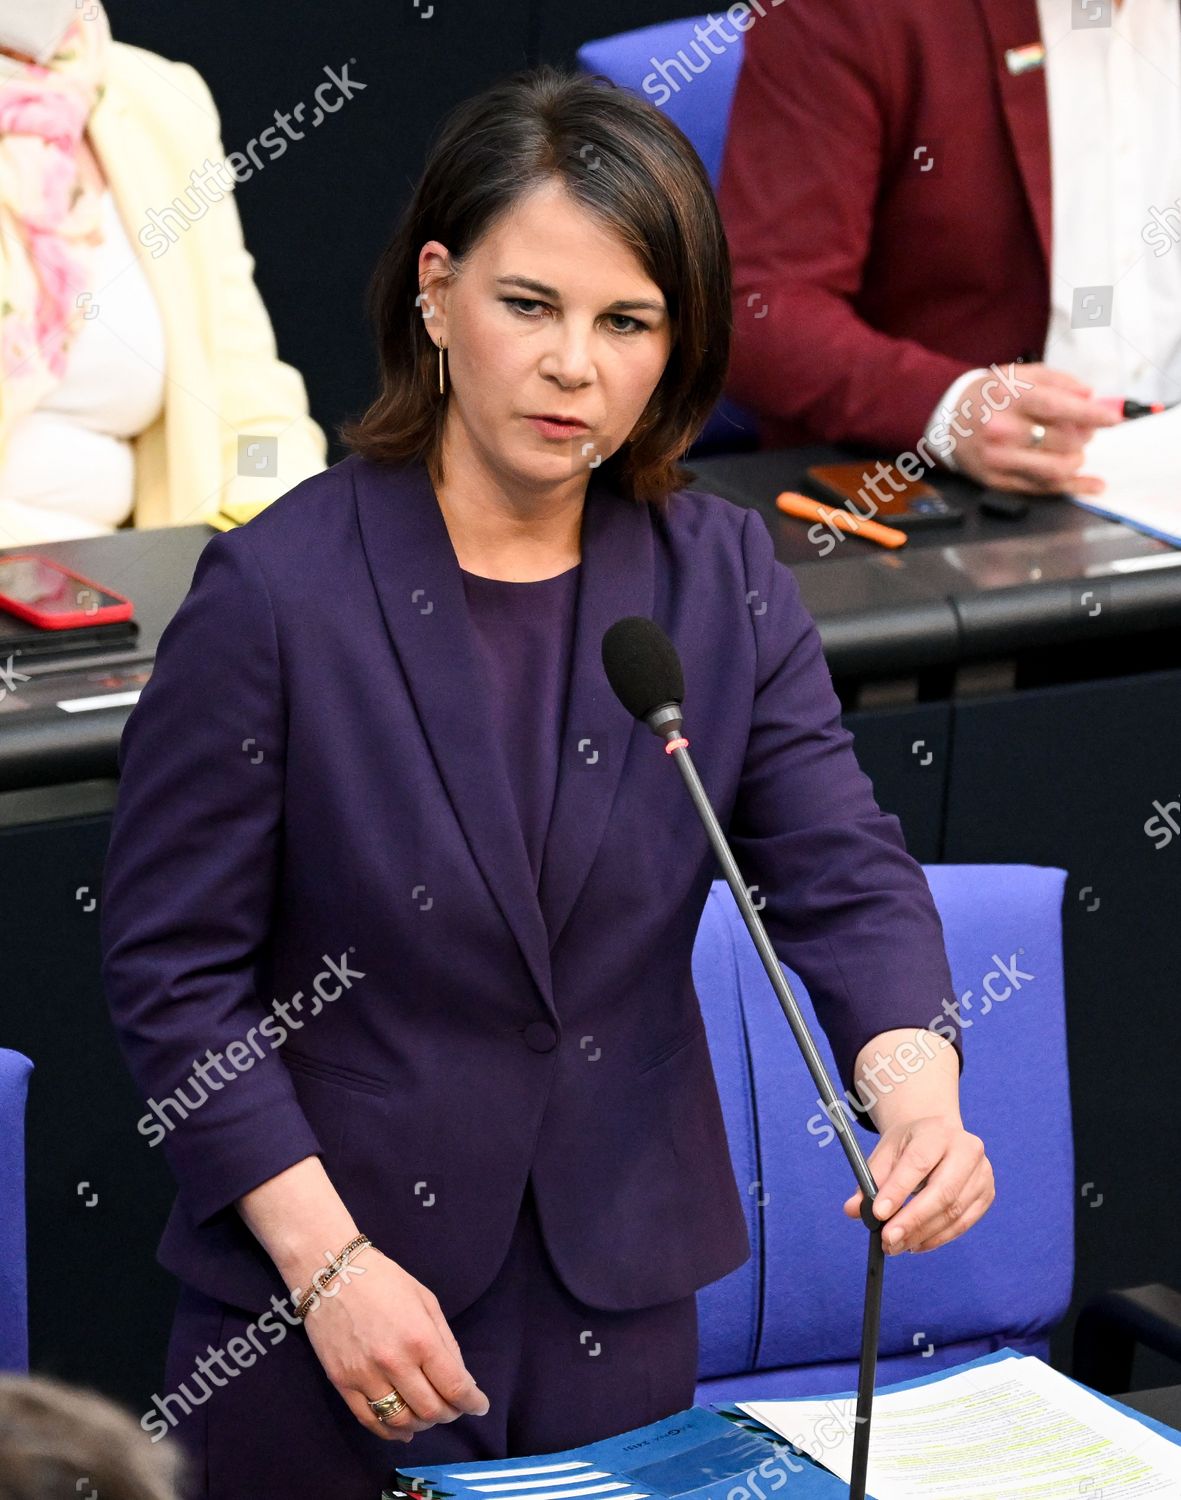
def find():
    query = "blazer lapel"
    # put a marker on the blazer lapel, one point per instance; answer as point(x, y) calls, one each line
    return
point(616, 579)
point(1015, 24)
point(416, 576)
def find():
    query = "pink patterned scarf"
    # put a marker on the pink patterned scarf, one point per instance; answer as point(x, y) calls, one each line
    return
point(49, 215)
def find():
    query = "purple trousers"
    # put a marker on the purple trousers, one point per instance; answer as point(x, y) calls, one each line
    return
point(556, 1373)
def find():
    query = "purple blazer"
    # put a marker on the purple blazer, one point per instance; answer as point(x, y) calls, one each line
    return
point(317, 889)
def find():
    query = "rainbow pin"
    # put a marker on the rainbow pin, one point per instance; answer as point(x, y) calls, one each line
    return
point(1020, 60)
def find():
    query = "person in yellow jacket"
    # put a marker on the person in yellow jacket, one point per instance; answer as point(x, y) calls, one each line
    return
point(140, 384)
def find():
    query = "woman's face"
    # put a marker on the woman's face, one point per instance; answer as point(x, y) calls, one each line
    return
point(551, 315)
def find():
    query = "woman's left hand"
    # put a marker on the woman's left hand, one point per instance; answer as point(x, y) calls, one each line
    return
point(945, 1167)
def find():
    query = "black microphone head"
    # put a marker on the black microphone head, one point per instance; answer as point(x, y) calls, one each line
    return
point(642, 666)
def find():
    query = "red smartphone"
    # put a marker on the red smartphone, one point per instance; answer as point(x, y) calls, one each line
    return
point(56, 598)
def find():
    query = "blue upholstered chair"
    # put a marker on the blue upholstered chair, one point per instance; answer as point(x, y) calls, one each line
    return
point(667, 65)
point(656, 61)
point(14, 1334)
point(788, 1322)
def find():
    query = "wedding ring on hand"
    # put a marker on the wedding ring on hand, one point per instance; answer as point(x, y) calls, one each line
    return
point(1037, 435)
point(388, 1406)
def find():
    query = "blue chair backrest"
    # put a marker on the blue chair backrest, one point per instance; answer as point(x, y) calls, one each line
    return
point(678, 72)
point(788, 1321)
point(14, 1326)
point(690, 82)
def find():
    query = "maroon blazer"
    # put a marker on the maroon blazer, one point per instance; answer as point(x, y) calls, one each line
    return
point(312, 805)
point(886, 192)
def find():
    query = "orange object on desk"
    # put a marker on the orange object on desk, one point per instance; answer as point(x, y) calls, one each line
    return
point(807, 509)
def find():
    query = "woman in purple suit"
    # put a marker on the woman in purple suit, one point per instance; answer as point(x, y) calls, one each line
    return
point(378, 741)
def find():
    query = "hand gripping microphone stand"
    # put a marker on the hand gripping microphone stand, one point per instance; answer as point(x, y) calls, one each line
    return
point(644, 671)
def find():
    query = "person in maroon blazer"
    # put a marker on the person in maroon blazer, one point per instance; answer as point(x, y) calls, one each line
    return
point(887, 193)
point(400, 901)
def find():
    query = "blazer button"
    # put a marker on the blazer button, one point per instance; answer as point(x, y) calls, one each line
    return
point(541, 1036)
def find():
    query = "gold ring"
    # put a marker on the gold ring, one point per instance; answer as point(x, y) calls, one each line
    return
point(388, 1406)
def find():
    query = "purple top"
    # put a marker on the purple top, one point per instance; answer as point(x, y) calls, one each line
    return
point(524, 634)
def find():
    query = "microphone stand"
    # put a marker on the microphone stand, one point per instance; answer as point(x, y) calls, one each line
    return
point(666, 722)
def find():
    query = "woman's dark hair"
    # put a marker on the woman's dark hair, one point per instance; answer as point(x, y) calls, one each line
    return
point(630, 166)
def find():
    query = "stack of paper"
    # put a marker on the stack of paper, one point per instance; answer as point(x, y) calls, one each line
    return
point(1141, 462)
point(1002, 1428)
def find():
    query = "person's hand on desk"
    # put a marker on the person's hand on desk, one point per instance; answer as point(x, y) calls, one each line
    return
point(1037, 442)
point(924, 1148)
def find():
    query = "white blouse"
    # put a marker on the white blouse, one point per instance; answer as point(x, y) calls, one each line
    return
point(68, 469)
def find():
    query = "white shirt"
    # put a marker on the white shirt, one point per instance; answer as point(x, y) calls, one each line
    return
point(1114, 102)
point(69, 469)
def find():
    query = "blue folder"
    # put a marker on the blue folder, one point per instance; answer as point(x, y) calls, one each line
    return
point(696, 1452)
point(1141, 526)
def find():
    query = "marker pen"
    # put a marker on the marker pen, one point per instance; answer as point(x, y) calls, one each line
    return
point(807, 509)
point(1125, 407)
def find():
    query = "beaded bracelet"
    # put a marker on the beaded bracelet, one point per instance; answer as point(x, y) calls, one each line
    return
point(324, 1275)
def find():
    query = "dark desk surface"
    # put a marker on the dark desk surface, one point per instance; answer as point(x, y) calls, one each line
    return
point(1164, 1404)
point(41, 743)
point(953, 594)
point(950, 595)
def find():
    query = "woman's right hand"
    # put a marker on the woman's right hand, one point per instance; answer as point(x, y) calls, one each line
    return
point(384, 1331)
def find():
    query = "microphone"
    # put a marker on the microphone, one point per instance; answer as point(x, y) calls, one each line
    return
point(645, 674)
point(644, 671)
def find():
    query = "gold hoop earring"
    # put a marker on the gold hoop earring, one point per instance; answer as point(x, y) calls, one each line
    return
point(442, 384)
